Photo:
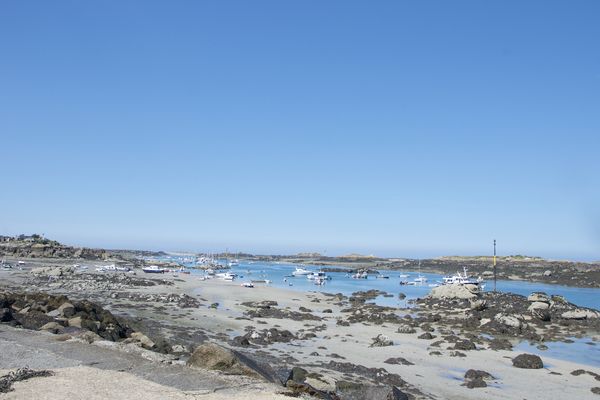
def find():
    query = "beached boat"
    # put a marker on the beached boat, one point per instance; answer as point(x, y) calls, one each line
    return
point(153, 269)
point(226, 276)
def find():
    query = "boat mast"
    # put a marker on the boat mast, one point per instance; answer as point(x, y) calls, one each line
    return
point(494, 265)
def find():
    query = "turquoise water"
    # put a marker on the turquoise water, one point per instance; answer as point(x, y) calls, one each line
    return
point(279, 274)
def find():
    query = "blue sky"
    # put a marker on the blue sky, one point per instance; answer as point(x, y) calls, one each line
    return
point(393, 128)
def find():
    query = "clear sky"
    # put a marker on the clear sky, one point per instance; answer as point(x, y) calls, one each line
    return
point(418, 128)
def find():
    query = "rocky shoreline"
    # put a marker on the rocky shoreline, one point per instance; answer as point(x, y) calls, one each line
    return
point(314, 344)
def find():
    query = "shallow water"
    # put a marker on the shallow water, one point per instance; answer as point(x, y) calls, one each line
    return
point(280, 275)
point(579, 351)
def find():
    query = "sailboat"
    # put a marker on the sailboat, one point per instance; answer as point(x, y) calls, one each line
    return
point(419, 280)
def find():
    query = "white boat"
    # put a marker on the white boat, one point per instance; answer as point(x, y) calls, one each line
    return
point(318, 275)
point(153, 269)
point(226, 276)
point(360, 275)
point(320, 281)
point(247, 284)
point(462, 279)
point(301, 271)
point(419, 280)
point(233, 263)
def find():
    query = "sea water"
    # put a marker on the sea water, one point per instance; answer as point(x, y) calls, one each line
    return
point(280, 275)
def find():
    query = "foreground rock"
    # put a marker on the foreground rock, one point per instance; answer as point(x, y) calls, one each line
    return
point(214, 357)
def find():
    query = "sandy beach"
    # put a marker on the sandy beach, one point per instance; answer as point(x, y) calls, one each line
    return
point(298, 330)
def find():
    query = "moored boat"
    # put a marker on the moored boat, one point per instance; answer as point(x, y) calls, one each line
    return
point(153, 269)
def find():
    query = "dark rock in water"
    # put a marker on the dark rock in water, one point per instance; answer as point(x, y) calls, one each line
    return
point(401, 296)
point(464, 345)
point(595, 390)
point(457, 354)
point(372, 392)
point(500, 344)
point(214, 305)
point(32, 320)
point(304, 309)
point(435, 353)
point(214, 357)
point(528, 361)
point(398, 360)
point(327, 311)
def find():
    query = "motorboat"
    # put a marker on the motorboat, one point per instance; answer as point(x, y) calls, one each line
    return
point(360, 275)
point(233, 263)
point(318, 275)
point(226, 276)
point(247, 284)
point(301, 271)
point(320, 281)
point(461, 279)
point(153, 269)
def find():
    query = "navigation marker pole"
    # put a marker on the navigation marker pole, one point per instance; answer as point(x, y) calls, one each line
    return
point(494, 265)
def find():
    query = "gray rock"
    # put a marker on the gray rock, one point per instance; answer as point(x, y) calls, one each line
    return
point(381, 341)
point(528, 361)
point(539, 297)
point(371, 392)
point(67, 310)
point(53, 327)
point(214, 357)
point(406, 329)
point(580, 313)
